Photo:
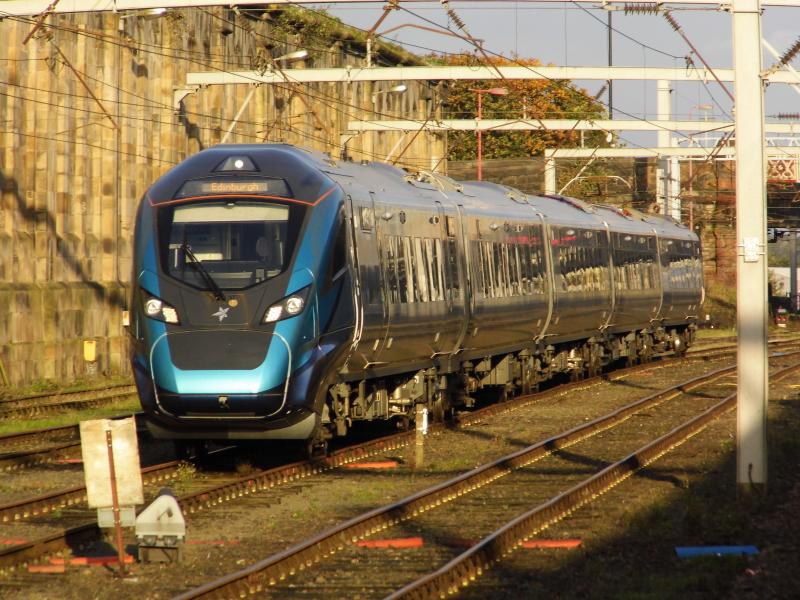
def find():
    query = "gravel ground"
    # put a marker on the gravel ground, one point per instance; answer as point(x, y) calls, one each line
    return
point(628, 536)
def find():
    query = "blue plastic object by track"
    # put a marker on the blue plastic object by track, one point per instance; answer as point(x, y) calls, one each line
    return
point(692, 551)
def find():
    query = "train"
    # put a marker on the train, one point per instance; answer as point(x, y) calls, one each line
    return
point(279, 294)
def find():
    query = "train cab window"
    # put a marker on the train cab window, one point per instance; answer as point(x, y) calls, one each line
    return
point(236, 243)
point(339, 253)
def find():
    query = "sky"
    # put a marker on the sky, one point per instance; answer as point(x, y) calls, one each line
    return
point(576, 35)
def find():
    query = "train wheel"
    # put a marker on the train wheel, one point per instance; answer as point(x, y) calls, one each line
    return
point(679, 343)
point(315, 448)
point(441, 411)
point(593, 365)
point(646, 349)
point(591, 360)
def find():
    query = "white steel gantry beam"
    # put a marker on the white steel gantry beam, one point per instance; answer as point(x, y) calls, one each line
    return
point(751, 261)
point(34, 7)
point(475, 73)
point(689, 152)
point(561, 124)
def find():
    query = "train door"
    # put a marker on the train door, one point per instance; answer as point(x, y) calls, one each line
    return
point(542, 239)
point(444, 234)
point(611, 279)
point(446, 264)
point(659, 279)
point(371, 292)
point(458, 245)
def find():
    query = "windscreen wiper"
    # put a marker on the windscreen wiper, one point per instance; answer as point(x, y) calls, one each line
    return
point(212, 285)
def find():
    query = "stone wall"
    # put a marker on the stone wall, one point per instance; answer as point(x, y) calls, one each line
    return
point(88, 120)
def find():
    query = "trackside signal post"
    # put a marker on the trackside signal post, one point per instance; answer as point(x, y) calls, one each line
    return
point(751, 226)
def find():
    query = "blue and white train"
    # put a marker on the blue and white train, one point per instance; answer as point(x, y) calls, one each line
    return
point(279, 294)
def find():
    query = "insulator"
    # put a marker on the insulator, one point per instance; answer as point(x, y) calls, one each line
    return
point(453, 15)
point(671, 20)
point(789, 116)
point(789, 55)
point(641, 9)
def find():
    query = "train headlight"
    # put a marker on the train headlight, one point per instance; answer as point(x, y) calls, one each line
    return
point(160, 310)
point(294, 305)
point(288, 307)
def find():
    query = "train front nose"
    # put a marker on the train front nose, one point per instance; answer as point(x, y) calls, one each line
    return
point(231, 375)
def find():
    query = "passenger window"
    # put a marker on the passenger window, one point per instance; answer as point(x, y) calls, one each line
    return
point(411, 292)
point(433, 250)
point(421, 267)
point(391, 270)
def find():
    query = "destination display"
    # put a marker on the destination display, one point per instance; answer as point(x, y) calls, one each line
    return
point(249, 186)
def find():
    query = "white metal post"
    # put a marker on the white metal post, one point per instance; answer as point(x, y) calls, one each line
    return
point(549, 175)
point(751, 220)
point(674, 187)
point(663, 178)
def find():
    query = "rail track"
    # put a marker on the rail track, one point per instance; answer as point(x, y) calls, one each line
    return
point(239, 487)
point(43, 446)
point(279, 574)
point(47, 404)
point(57, 500)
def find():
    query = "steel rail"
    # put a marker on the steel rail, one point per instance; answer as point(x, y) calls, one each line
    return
point(472, 563)
point(192, 503)
point(69, 431)
point(14, 556)
point(707, 353)
point(69, 394)
point(28, 407)
point(21, 460)
point(19, 510)
point(268, 572)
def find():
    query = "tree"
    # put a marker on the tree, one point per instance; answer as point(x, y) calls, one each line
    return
point(526, 99)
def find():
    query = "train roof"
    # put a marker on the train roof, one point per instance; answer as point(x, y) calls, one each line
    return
point(307, 171)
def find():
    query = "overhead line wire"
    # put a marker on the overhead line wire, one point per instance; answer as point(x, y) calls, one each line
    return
point(286, 86)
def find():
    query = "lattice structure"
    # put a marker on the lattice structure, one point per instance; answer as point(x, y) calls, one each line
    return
point(783, 170)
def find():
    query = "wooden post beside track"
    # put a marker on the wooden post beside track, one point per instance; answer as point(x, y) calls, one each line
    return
point(115, 503)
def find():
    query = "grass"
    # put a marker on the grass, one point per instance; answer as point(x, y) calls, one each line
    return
point(54, 387)
point(718, 332)
point(69, 417)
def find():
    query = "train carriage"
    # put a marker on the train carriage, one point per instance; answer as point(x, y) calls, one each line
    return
point(278, 294)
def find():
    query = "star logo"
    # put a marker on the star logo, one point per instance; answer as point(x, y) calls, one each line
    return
point(222, 313)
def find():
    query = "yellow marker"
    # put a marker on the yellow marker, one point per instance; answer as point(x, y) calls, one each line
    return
point(89, 350)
